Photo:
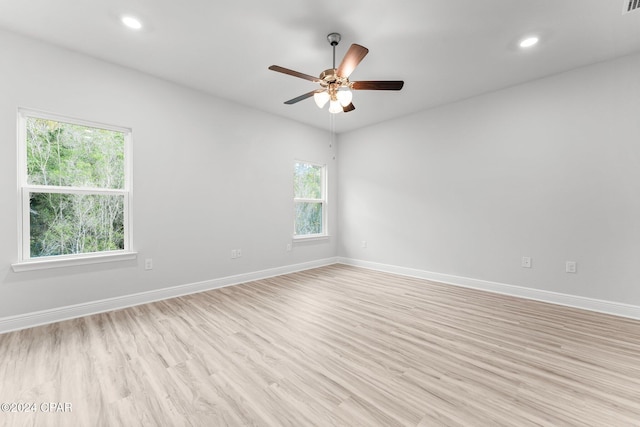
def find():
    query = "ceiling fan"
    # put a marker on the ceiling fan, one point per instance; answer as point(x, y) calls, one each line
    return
point(335, 85)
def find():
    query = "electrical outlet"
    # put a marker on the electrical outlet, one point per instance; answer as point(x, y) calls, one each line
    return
point(571, 267)
point(364, 243)
point(239, 252)
point(288, 247)
point(148, 264)
point(234, 254)
point(526, 262)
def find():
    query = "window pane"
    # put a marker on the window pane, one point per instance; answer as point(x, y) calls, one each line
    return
point(308, 218)
point(307, 181)
point(63, 224)
point(66, 154)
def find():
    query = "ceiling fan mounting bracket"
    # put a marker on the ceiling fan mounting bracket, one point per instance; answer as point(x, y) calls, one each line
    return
point(334, 39)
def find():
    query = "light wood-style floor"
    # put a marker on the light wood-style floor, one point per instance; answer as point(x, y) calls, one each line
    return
point(336, 345)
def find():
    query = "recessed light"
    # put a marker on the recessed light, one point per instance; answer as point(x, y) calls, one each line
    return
point(132, 22)
point(529, 41)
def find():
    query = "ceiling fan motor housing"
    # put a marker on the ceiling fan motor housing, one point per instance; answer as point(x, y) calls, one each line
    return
point(330, 80)
point(329, 76)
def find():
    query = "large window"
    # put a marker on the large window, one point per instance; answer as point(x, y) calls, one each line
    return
point(309, 200)
point(75, 194)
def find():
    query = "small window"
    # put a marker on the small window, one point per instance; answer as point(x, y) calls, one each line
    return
point(74, 179)
point(309, 200)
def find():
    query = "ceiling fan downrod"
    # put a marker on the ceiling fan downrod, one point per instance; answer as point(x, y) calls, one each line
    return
point(334, 39)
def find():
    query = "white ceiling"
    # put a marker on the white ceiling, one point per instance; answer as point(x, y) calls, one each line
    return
point(444, 50)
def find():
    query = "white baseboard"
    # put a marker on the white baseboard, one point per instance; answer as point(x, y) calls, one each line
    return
point(601, 306)
point(14, 323)
point(29, 320)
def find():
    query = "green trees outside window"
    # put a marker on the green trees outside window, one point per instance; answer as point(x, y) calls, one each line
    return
point(75, 187)
point(309, 199)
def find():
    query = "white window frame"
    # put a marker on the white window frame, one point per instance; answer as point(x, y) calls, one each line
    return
point(323, 201)
point(25, 261)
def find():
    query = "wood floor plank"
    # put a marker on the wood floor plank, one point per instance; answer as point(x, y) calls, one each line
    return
point(333, 346)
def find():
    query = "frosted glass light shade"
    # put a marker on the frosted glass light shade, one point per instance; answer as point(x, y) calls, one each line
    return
point(335, 107)
point(321, 98)
point(344, 96)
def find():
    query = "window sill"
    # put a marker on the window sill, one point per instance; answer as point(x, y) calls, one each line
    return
point(71, 261)
point(311, 237)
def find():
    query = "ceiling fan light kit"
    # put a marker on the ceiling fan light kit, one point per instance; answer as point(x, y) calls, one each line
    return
point(336, 89)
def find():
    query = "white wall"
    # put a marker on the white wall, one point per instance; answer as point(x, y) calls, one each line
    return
point(549, 169)
point(209, 176)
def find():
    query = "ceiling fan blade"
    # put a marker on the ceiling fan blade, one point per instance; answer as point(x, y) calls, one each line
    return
point(294, 73)
point(303, 97)
point(349, 107)
point(378, 85)
point(352, 58)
